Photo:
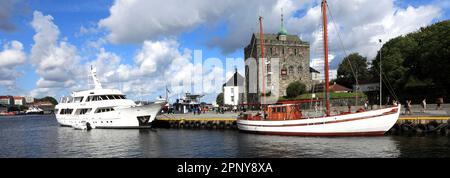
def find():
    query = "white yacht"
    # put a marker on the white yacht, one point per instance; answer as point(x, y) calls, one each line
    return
point(104, 108)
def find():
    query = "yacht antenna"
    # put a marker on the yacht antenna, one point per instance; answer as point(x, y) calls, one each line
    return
point(97, 83)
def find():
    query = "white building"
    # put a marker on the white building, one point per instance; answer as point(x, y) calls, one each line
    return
point(6, 100)
point(29, 99)
point(233, 90)
point(18, 100)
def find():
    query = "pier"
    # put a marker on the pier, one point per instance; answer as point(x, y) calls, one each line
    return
point(202, 121)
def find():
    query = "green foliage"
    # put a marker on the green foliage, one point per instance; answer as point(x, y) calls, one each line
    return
point(219, 99)
point(48, 98)
point(353, 64)
point(416, 60)
point(295, 89)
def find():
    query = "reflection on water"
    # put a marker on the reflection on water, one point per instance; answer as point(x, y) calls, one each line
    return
point(40, 136)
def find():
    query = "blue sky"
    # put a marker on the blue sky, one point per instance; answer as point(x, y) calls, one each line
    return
point(131, 36)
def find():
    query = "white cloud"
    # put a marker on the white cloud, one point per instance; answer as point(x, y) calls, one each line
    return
point(360, 22)
point(159, 64)
point(170, 18)
point(56, 61)
point(11, 57)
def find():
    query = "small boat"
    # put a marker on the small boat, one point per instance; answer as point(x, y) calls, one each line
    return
point(34, 110)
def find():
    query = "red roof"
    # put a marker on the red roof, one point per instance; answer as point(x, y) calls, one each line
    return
point(18, 97)
point(337, 87)
point(5, 97)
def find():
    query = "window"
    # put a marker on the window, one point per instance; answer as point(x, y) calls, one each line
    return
point(268, 68)
point(100, 110)
point(78, 99)
point(111, 97)
point(299, 69)
point(282, 52)
point(104, 97)
point(291, 70)
point(269, 79)
point(89, 98)
point(295, 51)
point(83, 111)
point(232, 98)
point(66, 111)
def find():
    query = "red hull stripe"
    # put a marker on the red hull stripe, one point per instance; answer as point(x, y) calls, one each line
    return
point(353, 134)
point(321, 123)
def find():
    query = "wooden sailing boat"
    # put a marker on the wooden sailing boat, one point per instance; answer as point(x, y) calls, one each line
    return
point(287, 119)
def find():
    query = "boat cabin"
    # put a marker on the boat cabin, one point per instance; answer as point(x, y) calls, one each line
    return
point(277, 112)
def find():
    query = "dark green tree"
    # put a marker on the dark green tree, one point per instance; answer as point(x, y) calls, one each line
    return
point(352, 67)
point(219, 99)
point(295, 89)
point(417, 65)
point(48, 98)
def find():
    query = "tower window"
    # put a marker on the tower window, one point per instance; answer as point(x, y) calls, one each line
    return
point(291, 70)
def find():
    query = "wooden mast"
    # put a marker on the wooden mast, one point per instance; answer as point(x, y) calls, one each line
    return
point(325, 43)
point(263, 66)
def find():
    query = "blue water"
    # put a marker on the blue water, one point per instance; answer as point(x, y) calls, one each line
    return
point(41, 136)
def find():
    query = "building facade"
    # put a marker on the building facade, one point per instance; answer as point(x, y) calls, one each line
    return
point(233, 90)
point(19, 100)
point(6, 100)
point(287, 60)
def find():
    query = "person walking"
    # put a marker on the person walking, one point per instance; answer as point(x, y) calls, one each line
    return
point(408, 107)
point(424, 105)
point(439, 101)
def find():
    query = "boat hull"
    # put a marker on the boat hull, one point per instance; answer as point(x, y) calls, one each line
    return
point(138, 117)
point(368, 123)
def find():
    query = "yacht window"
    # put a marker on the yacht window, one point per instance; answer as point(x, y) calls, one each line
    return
point(83, 111)
point(78, 99)
point(104, 97)
point(122, 97)
point(89, 98)
point(95, 98)
point(104, 110)
point(116, 96)
point(111, 97)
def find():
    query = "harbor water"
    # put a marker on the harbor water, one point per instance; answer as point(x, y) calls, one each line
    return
point(41, 136)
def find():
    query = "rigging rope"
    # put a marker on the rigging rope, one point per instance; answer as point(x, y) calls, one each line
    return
point(342, 45)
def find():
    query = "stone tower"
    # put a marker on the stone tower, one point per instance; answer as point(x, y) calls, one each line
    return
point(293, 61)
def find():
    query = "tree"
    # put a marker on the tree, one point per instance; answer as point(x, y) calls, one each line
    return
point(49, 99)
point(352, 67)
point(295, 89)
point(417, 63)
point(219, 99)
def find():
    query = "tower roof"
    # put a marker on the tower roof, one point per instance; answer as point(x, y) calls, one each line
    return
point(283, 30)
